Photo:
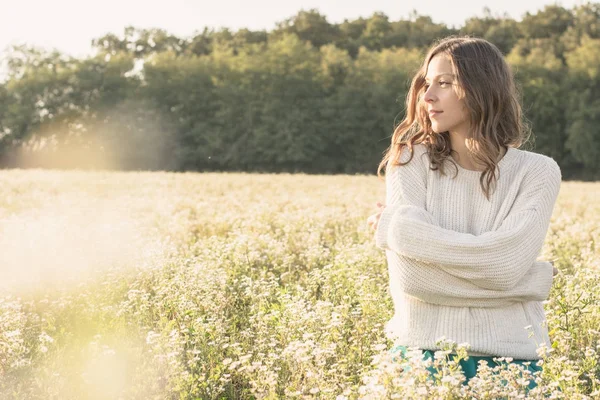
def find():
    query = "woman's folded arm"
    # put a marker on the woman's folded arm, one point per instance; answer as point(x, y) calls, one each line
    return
point(431, 284)
point(495, 260)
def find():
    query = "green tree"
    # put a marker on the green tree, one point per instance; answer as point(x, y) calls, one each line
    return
point(584, 106)
point(551, 22)
point(377, 29)
point(583, 135)
point(183, 88)
point(309, 26)
point(350, 33)
point(585, 59)
point(504, 35)
point(139, 42)
point(479, 26)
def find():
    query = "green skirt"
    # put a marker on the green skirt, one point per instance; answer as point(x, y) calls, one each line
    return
point(469, 366)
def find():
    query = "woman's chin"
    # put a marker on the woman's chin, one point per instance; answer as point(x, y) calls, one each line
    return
point(437, 129)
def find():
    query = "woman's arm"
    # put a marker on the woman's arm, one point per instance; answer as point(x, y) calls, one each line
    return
point(429, 283)
point(496, 260)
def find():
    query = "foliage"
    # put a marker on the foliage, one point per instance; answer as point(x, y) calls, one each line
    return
point(310, 95)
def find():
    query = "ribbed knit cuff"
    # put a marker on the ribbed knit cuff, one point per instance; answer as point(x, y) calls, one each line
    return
point(544, 279)
point(383, 225)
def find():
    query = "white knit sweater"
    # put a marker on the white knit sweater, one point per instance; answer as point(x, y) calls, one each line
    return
point(462, 267)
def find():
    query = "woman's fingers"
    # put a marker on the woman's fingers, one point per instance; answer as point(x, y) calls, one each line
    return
point(373, 220)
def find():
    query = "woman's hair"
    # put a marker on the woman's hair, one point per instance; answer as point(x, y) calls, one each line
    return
point(486, 85)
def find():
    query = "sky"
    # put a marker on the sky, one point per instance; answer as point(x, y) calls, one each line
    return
point(70, 25)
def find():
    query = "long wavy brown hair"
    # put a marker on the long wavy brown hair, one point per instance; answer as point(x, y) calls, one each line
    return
point(487, 87)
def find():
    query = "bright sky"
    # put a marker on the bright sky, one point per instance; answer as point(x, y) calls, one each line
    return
point(70, 25)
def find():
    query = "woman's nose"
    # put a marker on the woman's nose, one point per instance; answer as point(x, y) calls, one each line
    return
point(428, 96)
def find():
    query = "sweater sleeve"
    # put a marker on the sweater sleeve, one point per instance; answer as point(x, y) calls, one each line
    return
point(496, 260)
point(429, 283)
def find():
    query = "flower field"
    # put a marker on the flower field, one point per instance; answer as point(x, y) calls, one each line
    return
point(152, 285)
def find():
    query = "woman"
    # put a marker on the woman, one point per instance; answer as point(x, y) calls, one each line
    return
point(462, 247)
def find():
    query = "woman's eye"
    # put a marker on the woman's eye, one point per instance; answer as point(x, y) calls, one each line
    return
point(442, 84)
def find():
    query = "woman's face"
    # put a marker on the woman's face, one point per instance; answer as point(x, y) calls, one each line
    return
point(445, 110)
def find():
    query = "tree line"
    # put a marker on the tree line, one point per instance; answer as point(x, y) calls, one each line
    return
point(308, 96)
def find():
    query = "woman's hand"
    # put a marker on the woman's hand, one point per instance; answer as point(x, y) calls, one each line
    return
point(373, 220)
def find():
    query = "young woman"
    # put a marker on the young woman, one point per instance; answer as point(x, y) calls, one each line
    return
point(466, 211)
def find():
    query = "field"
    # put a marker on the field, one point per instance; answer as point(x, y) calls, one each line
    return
point(239, 286)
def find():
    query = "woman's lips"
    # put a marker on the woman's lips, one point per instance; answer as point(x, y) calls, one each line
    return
point(433, 113)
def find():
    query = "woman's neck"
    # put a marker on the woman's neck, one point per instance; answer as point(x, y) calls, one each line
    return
point(462, 156)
